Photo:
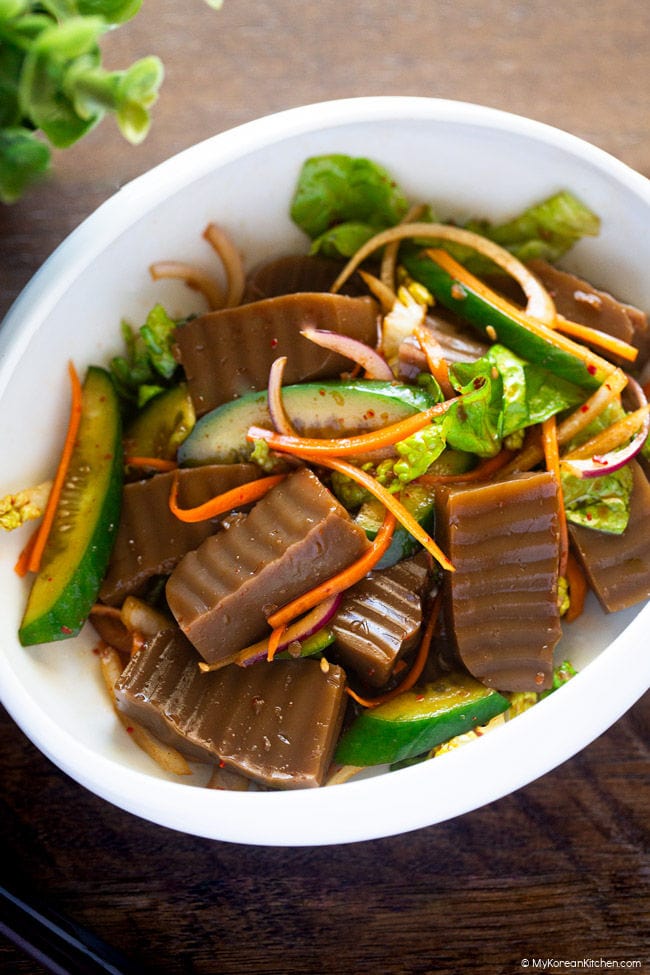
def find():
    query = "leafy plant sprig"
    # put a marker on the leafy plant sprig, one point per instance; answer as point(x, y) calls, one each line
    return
point(53, 88)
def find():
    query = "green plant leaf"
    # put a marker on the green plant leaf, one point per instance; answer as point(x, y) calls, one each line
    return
point(23, 159)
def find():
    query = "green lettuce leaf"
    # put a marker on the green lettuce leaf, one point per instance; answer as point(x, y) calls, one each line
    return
point(601, 503)
point(337, 188)
point(149, 365)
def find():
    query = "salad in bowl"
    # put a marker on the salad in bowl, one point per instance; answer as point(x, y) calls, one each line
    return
point(356, 494)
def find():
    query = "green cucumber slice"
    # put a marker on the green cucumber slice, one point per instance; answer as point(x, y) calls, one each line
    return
point(418, 720)
point(329, 409)
point(85, 523)
point(498, 325)
point(162, 425)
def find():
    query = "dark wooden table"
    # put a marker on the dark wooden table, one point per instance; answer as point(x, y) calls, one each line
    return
point(558, 871)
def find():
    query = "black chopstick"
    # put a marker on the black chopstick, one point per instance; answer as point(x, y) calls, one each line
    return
point(59, 944)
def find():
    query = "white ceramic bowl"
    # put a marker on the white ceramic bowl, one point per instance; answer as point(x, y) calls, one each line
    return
point(464, 159)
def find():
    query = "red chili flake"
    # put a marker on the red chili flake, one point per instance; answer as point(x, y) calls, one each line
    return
point(539, 678)
point(419, 697)
point(584, 408)
point(66, 630)
point(369, 414)
point(321, 392)
point(130, 730)
point(591, 369)
point(274, 343)
point(222, 764)
point(589, 516)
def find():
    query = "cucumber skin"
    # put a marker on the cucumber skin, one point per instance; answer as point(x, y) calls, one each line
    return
point(67, 613)
point(164, 423)
point(223, 425)
point(483, 316)
point(379, 737)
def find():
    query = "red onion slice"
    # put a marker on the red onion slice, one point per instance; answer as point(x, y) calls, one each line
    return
point(374, 364)
point(613, 460)
point(279, 416)
point(306, 626)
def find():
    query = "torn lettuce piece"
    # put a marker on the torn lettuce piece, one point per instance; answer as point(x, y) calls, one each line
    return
point(344, 240)
point(149, 366)
point(337, 188)
point(521, 394)
point(601, 503)
point(547, 229)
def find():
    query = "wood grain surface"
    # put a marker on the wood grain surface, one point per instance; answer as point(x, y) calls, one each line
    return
point(556, 873)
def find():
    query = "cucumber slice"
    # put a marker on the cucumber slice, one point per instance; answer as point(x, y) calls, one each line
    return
point(328, 409)
point(418, 720)
point(499, 326)
point(420, 502)
point(85, 523)
point(162, 425)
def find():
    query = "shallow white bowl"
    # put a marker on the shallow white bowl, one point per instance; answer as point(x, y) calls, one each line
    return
point(465, 160)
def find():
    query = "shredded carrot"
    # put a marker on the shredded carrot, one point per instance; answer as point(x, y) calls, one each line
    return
point(346, 446)
point(435, 360)
point(244, 494)
point(342, 580)
point(483, 470)
point(389, 501)
point(21, 568)
point(275, 640)
point(593, 336)
point(578, 588)
point(415, 672)
point(552, 460)
point(537, 327)
point(154, 463)
point(43, 531)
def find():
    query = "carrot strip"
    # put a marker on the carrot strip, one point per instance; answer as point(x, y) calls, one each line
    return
point(389, 501)
point(483, 470)
point(43, 532)
point(578, 589)
point(155, 463)
point(552, 460)
point(342, 580)
point(275, 640)
point(345, 446)
point(594, 336)
point(414, 673)
point(535, 326)
point(435, 360)
point(21, 568)
point(244, 494)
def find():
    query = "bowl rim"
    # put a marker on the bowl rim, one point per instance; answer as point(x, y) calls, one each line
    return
point(328, 815)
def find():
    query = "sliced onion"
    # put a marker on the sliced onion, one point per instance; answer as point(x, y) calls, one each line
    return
point(279, 416)
point(193, 277)
point(384, 295)
point(231, 260)
point(540, 305)
point(374, 364)
point(306, 626)
point(598, 464)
